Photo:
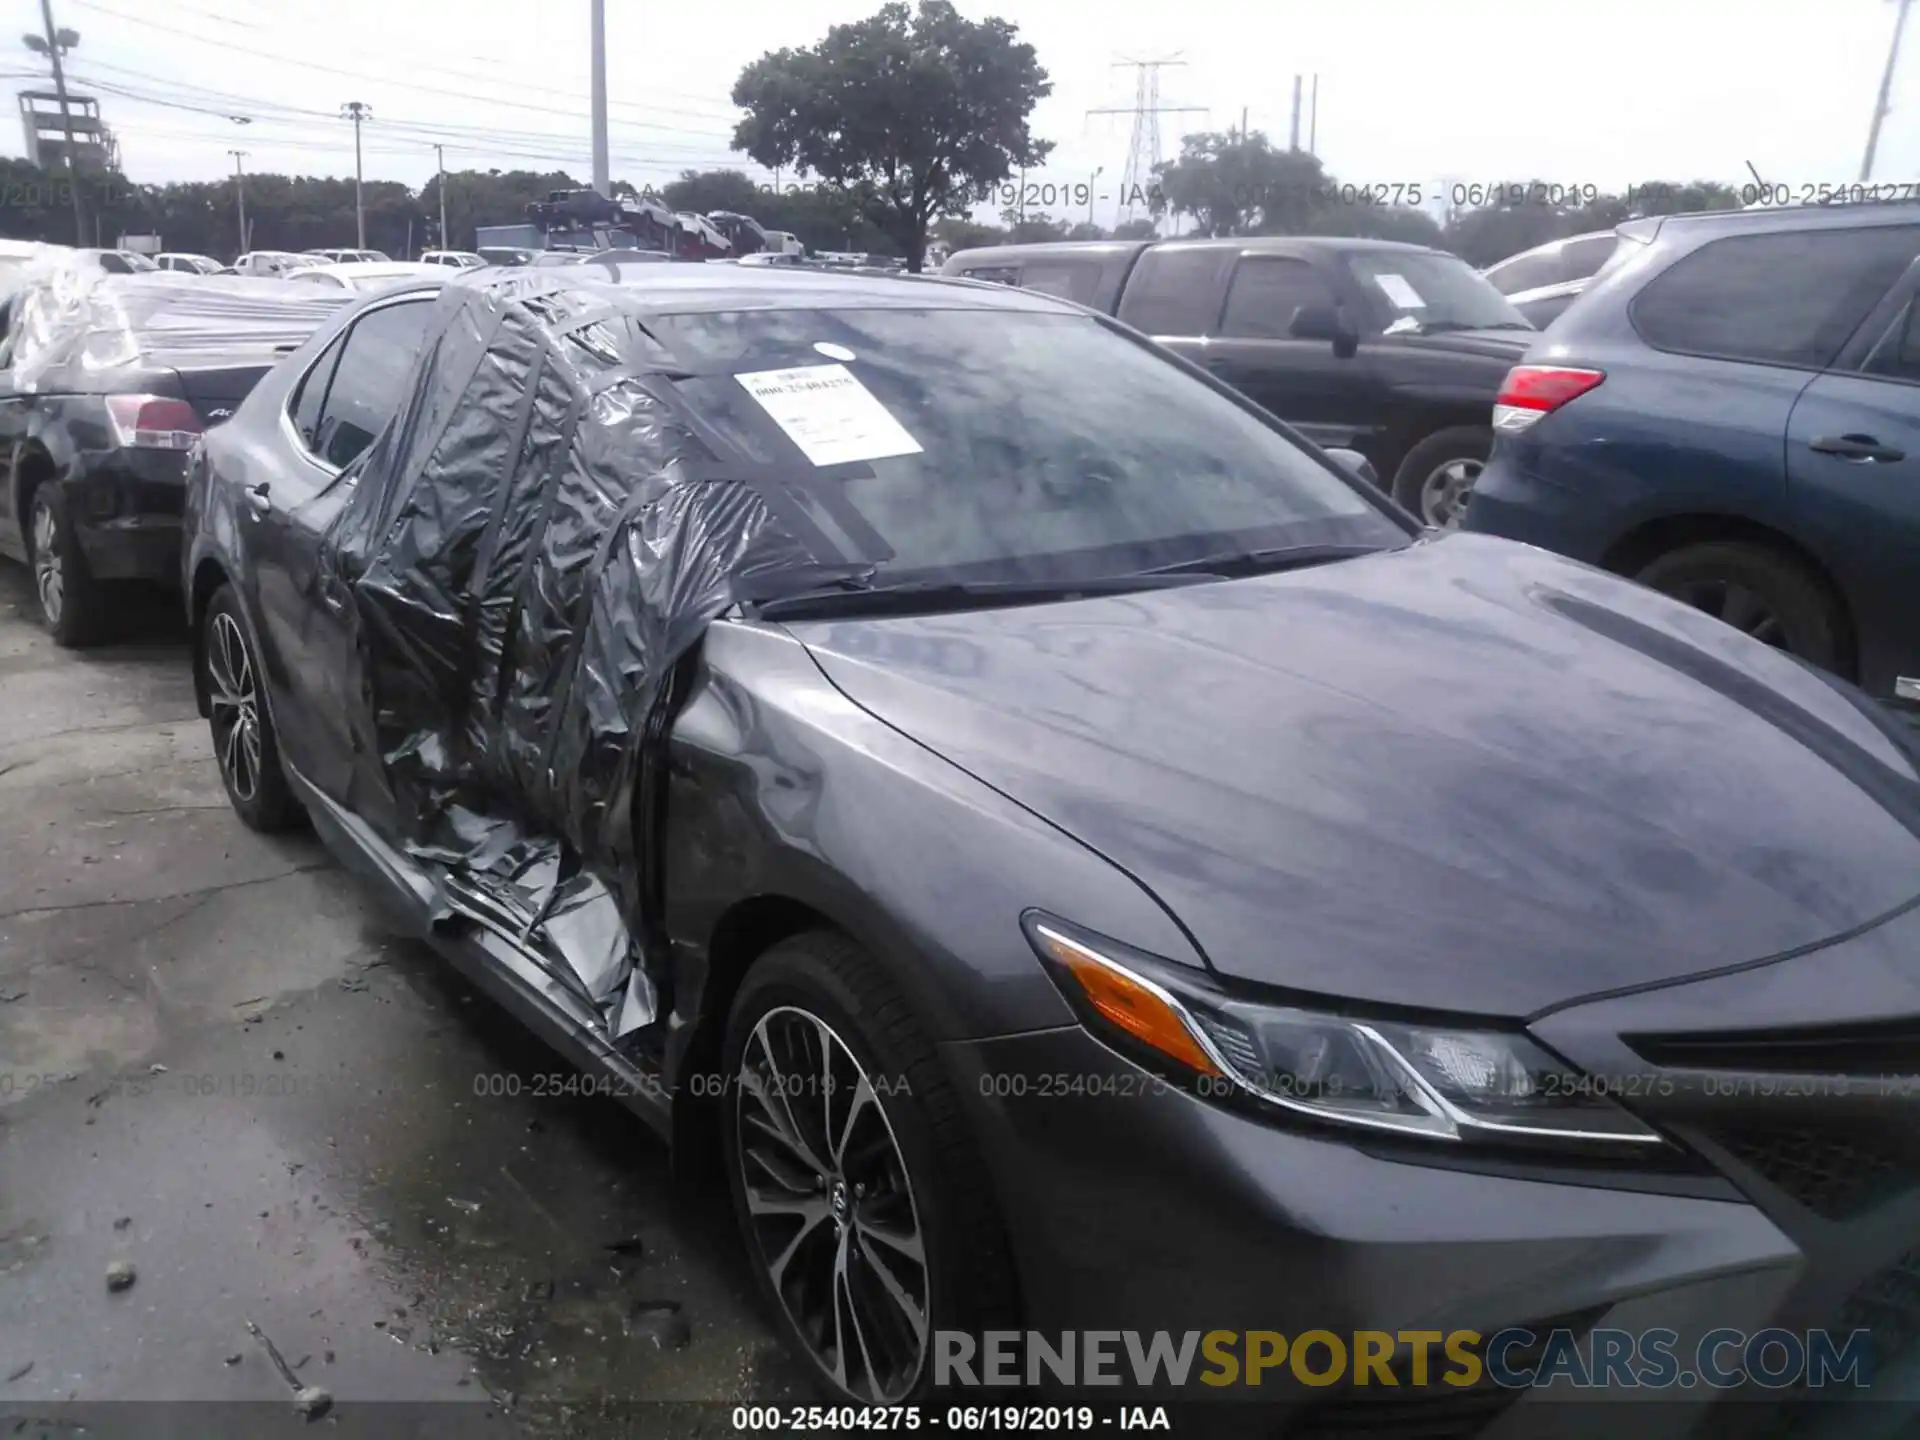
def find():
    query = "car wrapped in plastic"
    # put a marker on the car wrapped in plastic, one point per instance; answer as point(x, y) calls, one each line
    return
point(107, 381)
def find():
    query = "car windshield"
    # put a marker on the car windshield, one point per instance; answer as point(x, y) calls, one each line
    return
point(1009, 447)
point(1415, 292)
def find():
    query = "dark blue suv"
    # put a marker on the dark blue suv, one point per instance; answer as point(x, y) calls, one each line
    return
point(1731, 414)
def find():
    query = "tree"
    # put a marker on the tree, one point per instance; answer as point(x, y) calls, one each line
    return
point(957, 232)
point(704, 191)
point(1135, 230)
point(916, 113)
point(1035, 229)
point(1234, 183)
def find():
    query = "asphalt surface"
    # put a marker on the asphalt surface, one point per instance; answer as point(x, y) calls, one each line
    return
point(220, 1065)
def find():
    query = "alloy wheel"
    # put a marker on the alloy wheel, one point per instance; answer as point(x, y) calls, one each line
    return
point(830, 1205)
point(1445, 492)
point(236, 707)
point(1734, 604)
point(49, 575)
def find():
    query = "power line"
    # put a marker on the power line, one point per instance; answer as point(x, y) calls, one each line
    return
point(228, 106)
point(279, 19)
point(361, 75)
point(485, 140)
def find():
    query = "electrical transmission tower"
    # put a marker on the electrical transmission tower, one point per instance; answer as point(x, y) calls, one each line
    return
point(1143, 149)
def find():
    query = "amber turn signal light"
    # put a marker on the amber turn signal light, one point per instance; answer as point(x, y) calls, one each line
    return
point(1128, 1002)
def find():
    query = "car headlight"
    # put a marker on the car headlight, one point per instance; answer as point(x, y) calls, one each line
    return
point(1435, 1081)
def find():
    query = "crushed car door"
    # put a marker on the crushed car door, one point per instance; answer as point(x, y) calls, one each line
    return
point(458, 603)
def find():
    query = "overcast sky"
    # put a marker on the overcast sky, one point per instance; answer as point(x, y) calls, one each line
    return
point(1420, 92)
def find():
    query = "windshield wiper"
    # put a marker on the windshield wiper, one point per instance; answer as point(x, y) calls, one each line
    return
point(1230, 563)
point(858, 596)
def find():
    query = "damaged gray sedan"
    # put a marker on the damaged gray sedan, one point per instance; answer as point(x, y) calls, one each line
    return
point(936, 753)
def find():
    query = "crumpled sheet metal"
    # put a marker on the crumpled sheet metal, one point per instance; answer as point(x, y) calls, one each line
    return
point(536, 541)
point(71, 312)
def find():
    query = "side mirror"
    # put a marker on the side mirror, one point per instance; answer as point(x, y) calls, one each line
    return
point(1324, 322)
point(1355, 463)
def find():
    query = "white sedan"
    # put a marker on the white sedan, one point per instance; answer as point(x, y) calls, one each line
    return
point(366, 275)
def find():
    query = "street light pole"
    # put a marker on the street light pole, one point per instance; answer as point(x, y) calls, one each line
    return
point(240, 196)
point(1881, 104)
point(357, 112)
point(602, 168)
point(66, 118)
point(440, 155)
point(1093, 185)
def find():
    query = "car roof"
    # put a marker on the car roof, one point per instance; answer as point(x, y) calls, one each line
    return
point(1554, 246)
point(372, 269)
point(1241, 244)
point(1759, 220)
point(1092, 249)
point(697, 289)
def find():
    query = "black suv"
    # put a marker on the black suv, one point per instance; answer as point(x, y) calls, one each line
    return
point(1394, 351)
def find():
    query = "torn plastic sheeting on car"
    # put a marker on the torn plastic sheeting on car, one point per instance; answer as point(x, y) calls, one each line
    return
point(70, 312)
point(538, 538)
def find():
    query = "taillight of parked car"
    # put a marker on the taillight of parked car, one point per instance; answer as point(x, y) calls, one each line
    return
point(153, 422)
point(1531, 391)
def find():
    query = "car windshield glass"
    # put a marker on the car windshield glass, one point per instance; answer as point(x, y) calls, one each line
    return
point(1412, 292)
point(1008, 446)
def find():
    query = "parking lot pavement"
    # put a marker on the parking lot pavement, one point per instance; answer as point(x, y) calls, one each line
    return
point(219, 1065)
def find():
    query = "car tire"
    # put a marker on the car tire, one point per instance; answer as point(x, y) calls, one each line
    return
point(1437, 476)
point(245, 747)
point(823, 989)
point(1759, 590)
point(73, 605)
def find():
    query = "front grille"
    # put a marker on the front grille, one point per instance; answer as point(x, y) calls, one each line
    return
point(1877, 1049)
point(1887, 1304)
point(1437, 1411)
point(1836, 1174)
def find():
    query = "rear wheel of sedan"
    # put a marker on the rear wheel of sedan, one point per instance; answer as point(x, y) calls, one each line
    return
point(1767, 594)
point(1437, 477)
point(244, 744)
point(866, 1214)
point(73, 604)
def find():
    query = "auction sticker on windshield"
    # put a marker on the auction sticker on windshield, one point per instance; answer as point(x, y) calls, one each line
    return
point(1400, 292)
point(829, 414)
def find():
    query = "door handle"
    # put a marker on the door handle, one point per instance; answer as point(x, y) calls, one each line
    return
point(257, 498)
point(1855, 447)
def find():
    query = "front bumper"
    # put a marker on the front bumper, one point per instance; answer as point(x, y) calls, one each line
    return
point(126, 514)
point(1133, 1206)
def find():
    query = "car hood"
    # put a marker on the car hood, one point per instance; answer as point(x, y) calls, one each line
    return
point(1466, 775)
point(1507, 345)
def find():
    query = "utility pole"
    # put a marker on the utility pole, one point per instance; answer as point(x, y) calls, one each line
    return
point(1313, 118)
point(1293, 140)
point(602, 173)
point(357, 112)
point(56, 41)
point(1880, 105)
point(440, 154)
point(240, 196)
point(1243, 124)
